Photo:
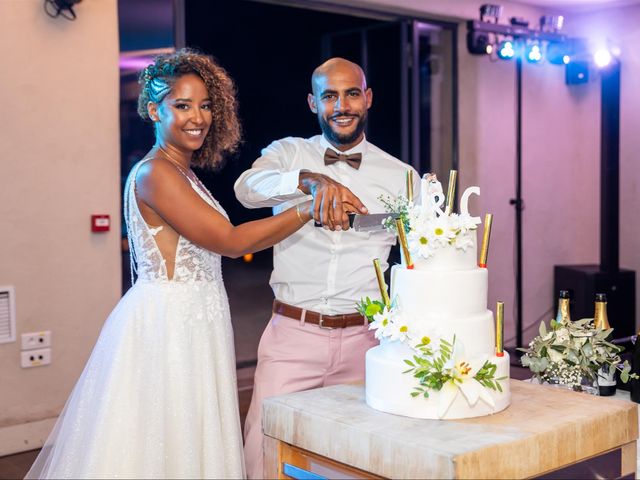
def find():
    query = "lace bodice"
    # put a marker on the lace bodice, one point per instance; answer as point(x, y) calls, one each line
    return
point(192, 263)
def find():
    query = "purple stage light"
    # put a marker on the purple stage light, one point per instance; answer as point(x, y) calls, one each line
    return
point(134, 63)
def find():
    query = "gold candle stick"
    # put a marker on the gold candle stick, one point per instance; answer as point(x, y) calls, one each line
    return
point(451, 192)
point(381, 284)
point(403, 243)
point(488, 218)
point(410, 185)
point(500, 329)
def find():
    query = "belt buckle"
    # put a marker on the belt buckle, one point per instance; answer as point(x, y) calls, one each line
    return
point(321, 322)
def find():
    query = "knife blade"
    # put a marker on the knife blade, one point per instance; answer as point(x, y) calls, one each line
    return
point(366, 223)
point(371, 222)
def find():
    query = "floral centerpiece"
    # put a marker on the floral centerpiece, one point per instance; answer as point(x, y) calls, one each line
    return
point(571, 353)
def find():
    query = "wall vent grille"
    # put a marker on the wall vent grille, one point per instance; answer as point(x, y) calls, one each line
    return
point(7, 315)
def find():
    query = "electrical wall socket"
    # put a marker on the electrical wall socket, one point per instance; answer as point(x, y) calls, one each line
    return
point(34, 340)
point(35, 358)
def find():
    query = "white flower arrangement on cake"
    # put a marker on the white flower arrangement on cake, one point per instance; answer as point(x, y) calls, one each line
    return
point(429, 228)
point(571, 352)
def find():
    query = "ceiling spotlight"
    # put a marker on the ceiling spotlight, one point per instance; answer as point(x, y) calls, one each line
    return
point(602, 58)
point(490, 13)
point(506, 49)
point(534, 53)
point(551, 23)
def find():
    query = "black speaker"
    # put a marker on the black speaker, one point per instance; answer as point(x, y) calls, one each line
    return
point(576, 72)
point(584, 281)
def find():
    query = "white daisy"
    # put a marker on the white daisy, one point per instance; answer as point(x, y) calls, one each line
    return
point(381, 323)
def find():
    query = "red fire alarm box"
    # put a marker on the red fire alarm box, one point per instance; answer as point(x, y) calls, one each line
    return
point(100, 223)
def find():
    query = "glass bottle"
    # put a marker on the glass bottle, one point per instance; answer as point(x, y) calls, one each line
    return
point(606, 373)
point(563, 315)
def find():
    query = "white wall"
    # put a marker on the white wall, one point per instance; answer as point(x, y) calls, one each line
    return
point(621, 27)
point(59, 144)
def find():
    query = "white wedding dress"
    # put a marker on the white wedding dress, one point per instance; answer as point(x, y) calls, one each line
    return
point(158, 396)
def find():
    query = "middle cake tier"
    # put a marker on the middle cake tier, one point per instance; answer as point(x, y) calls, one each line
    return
point(429, 293)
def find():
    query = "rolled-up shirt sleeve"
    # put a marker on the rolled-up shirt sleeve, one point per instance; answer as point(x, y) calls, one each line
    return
point(271, 180)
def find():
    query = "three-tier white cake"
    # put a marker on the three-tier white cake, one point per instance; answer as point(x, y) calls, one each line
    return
point(443, 297)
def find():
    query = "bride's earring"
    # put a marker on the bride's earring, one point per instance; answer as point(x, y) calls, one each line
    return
point(152, 111)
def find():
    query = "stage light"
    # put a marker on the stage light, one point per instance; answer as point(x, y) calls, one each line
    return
point(534, 53)
point(519, 22)
point(551, 23)
point(602, 58)
point(566, 59)
point(490, 12)
point(556, 52)
point(506, 49)
point(479, 43)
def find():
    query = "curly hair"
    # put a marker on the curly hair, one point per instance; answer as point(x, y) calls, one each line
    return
point(158, 79)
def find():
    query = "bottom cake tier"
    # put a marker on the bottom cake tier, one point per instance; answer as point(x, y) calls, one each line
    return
point(388, 389)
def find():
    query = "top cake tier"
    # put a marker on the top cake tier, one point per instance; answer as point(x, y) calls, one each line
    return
point(450, 258)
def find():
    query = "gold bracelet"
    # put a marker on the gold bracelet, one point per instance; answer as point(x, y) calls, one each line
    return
point(300, 216)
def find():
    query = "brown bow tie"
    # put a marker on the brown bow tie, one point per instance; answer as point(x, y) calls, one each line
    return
point(331, 157)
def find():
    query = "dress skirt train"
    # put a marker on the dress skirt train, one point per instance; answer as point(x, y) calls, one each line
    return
point(158, 397)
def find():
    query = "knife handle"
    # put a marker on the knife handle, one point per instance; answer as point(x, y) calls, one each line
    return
point(352, 217)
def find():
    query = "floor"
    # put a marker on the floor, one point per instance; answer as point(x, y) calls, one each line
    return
point(250, 299)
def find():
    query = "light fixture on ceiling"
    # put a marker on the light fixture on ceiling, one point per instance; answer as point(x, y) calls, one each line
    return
point(490, 13)
point(506, 49)
point(602, 58)
point(551, 23)
point(61, 8)
point(533, 52)
point(479, 43)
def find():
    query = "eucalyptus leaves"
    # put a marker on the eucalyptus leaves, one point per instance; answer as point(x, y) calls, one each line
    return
point(571, 351)
point(448, 366)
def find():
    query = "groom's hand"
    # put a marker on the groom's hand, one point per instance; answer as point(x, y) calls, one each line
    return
point(331, 200)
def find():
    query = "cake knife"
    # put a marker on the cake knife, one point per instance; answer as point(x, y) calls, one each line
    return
point(367, 223)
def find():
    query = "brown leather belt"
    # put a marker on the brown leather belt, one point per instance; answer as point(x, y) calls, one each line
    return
point(323, 321)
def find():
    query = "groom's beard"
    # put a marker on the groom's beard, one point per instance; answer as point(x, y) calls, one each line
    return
point(337, 138)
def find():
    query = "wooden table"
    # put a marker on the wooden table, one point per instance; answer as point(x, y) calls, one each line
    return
point(332, 433)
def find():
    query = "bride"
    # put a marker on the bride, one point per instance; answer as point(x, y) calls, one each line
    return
point(158, 396)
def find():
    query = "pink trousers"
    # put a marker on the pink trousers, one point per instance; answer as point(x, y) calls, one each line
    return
point(294, 356)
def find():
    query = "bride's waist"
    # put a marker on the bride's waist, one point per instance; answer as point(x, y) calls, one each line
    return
point(179, 284)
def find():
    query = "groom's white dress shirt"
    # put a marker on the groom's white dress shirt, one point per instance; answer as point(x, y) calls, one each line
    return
point(317, 269)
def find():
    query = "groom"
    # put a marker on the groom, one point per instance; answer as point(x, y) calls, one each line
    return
point(315, 337)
